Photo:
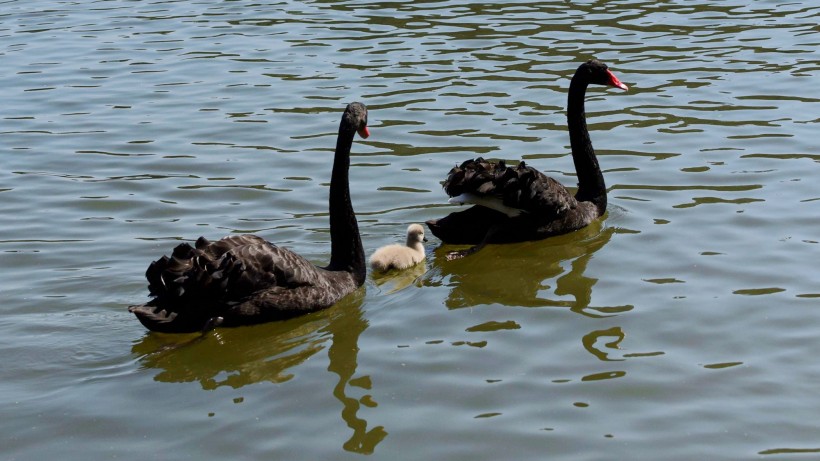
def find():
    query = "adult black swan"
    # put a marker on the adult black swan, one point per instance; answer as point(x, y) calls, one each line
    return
point(516, 204)
point(243, 279)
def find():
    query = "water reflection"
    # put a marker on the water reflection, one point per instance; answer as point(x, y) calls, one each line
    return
point(342, 354)
point(237, 357)
point(395, 281)
point(590, 341)
point(532, 274)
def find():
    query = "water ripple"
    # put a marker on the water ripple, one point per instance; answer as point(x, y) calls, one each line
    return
point(128, 127)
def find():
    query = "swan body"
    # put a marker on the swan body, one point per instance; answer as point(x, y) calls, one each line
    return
point(401, 256)
point(244, 279)
point(515, 204)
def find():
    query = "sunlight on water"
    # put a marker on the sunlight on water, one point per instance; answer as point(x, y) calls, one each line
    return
point(679, 327)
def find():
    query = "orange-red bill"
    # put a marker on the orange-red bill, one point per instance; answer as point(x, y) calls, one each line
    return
point(364, 132)
point(613, 80)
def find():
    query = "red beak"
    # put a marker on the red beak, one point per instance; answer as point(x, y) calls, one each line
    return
point(364, 132)
point(613, 81)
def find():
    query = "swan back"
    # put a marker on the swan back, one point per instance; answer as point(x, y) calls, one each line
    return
point(510, 190)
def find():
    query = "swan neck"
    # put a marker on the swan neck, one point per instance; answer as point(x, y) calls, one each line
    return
point(591, 186)
point(415, 245)
point(346, 251)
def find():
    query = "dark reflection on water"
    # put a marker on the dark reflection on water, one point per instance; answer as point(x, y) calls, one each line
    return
point(234, 357)
point(237, 357)
point(343, 351)
point(590, 342)
point(547, 273)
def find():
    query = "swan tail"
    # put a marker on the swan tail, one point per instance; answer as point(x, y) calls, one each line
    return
point(196, 282)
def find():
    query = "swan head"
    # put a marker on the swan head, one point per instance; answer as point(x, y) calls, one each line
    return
point(599, 74)
point(355, 117)
point(415, 234)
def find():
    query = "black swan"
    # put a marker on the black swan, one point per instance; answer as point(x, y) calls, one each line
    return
point(516, 204)
point(243, 279)
point(401, 256)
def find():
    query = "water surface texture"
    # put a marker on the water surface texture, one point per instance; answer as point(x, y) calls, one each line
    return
point(684, 325)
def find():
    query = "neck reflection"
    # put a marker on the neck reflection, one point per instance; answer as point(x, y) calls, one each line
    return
point(273, 352)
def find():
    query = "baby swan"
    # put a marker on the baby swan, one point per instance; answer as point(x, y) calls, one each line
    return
point(400, 256)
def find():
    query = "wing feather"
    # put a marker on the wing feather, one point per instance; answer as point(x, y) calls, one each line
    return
point(522, 187)
point(197, 283)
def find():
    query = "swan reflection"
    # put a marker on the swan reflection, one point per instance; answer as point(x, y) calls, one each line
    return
point(271, 352)
point(532, 274)
point(394, 281)
point(546, 273)
point(611, 339)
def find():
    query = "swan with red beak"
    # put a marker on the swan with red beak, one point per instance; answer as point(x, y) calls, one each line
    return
point(516, 204)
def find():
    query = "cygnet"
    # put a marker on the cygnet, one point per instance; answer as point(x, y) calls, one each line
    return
point(401, 257)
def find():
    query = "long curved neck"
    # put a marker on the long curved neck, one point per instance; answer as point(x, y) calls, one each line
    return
point(591, 187)
point(346, 251)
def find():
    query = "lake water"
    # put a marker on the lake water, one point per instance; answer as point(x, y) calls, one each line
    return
point(684, 325)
